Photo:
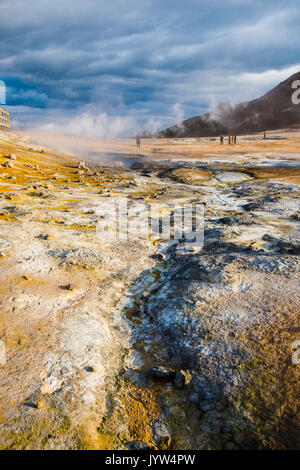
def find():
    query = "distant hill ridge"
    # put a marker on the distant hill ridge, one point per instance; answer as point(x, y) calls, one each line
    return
point(274, 110)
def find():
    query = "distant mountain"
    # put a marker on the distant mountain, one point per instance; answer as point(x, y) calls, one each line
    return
point(274, 110)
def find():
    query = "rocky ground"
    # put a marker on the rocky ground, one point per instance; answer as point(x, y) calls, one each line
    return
point(149, 342)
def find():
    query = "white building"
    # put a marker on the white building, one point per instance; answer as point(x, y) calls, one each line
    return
point(4, 119)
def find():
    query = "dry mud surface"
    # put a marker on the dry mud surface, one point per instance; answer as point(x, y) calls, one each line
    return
point(150, 343)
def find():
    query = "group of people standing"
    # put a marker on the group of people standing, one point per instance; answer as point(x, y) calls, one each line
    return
point(231, 139)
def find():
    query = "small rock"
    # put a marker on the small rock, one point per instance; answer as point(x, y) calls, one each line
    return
point(8, 165)
point(182, 378)
point(253, 246)
point(161, 434)
point(268, 238)
point(81, 164)
point(137, 445)
point(38, 194)
point(251, 206)
point(161, 373)
point(12, 156)
point(39, 405)
point(45, 236)
point(226, 220)
point(288, 248)
point(69, 287)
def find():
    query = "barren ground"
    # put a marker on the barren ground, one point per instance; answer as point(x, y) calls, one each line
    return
point(85, 318)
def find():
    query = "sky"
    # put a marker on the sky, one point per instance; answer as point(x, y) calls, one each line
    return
point(112, 68)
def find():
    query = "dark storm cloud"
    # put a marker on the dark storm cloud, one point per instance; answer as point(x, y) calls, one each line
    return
point(142, 59)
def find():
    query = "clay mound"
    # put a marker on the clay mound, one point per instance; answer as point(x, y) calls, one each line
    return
point(185, 175)
point(274, 110)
